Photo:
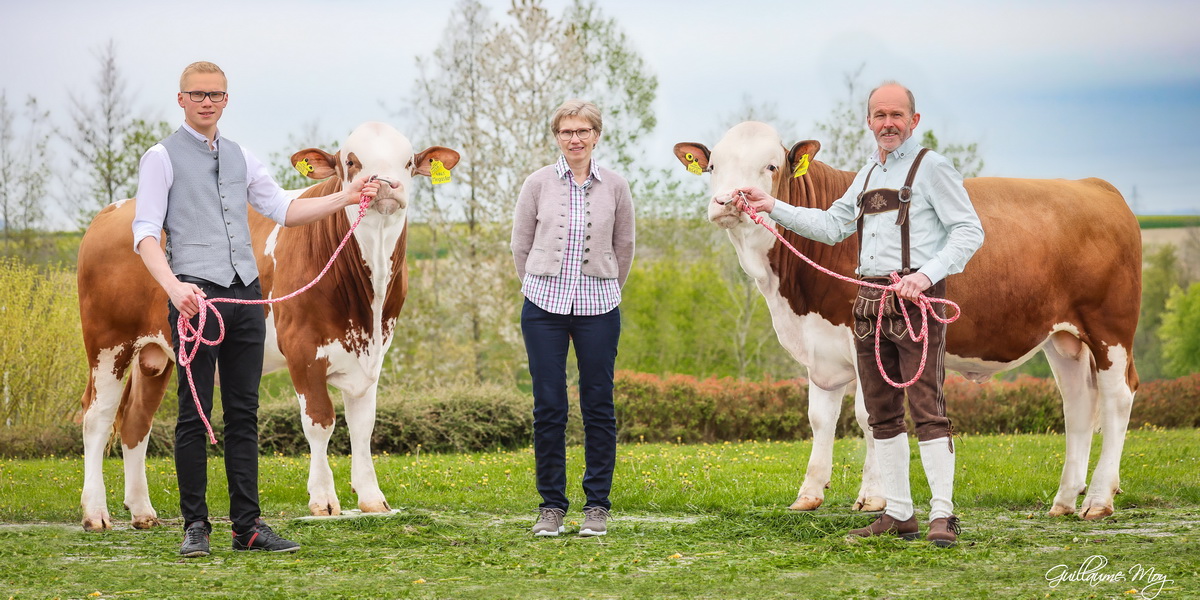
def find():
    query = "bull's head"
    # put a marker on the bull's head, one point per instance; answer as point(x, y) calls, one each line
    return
point(377, 149)
point(750, 154)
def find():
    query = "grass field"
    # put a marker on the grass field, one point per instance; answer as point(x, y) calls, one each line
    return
point(690, 521)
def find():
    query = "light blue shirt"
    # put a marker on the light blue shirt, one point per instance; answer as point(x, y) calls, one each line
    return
point(944, 231)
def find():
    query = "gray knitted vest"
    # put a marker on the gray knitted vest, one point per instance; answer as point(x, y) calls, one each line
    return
point(208, 235)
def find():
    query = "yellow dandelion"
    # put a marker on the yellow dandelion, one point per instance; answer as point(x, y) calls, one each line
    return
point(676, 555)
point(418, 581)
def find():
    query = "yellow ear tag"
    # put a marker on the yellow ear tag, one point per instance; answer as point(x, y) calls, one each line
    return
point(801, 167)
point(694, 165)
point(304, 167)
point(438, 173)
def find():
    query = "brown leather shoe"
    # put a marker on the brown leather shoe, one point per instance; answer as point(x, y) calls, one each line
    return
point(885, 524)
point(944, 531)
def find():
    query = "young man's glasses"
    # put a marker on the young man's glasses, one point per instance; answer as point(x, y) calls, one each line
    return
point(215, 96)
point(566, 134)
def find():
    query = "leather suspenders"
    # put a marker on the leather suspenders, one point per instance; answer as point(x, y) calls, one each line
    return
point(881, 200)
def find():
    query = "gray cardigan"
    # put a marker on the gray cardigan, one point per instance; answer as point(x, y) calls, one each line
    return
point(539, 236)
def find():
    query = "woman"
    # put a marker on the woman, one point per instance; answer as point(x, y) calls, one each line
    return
point(572, 242)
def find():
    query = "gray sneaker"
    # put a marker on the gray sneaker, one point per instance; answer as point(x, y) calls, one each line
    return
point(550, 522)
point(595, 521)
point(195, 539)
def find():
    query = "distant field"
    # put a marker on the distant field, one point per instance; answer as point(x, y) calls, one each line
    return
point(1168, 221)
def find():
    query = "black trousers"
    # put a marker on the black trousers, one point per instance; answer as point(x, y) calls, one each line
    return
point(239, 358)
point(547, 336)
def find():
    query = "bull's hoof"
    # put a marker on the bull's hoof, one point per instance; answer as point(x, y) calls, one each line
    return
point(325, 509)
point(100, 523)
point(145, 522)
point(807, 503)
point(1095, 513)
point(1061, 510)
point(377, 506)
point(870, 504)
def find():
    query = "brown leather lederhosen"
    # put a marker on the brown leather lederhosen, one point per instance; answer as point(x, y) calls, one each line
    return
point(900, 355)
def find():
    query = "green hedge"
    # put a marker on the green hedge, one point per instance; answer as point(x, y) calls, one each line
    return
point(688, 409)
point(650, 408)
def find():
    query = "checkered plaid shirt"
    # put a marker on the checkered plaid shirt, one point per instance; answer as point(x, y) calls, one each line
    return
point(572, 292)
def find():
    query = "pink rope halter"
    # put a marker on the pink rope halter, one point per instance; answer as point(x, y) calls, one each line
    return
point(189, 334)
point(924, 303)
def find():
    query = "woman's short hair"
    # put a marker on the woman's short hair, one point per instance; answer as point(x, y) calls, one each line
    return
point(202, 66)
point(577, 108)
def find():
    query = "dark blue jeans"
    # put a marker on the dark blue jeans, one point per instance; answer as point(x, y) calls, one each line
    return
point(547, 336)
point(239, 358)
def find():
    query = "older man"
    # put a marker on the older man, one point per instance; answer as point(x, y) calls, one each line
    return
point(913, 218)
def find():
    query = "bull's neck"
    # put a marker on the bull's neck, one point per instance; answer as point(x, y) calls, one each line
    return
point(810, 290)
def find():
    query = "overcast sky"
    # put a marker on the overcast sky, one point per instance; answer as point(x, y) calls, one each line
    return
point(1047, 88)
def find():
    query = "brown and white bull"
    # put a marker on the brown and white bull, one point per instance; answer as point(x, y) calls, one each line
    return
point(1060, 273)
point(336, 333)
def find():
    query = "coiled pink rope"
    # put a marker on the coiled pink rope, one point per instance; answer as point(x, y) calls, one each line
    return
point(188, 334)
point(923, 302)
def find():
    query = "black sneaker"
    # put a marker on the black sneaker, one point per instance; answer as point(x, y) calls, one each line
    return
point(195, 540)
point(260, 537)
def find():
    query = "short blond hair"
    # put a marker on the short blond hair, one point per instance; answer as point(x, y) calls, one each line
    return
point(577, 108)
point(202, 66)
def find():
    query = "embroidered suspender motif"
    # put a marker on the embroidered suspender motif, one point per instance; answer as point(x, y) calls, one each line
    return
point(881, 200)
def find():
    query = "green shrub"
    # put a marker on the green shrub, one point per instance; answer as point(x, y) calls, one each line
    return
point(650, 408)
point(1029, 405)
point(1168, 403)
point(460, 418)
point(686, 409)
point(42, 366)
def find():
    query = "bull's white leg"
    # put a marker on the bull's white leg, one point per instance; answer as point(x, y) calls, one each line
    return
point(322, 497)
point(1116, 401)
point(137, 490)
point(824, 406)
point(1072, 373)
point(97, 428)
point(360, 419)
point(870, 494)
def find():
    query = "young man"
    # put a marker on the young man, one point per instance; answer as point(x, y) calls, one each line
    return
point(196, 186)
point(913, 218)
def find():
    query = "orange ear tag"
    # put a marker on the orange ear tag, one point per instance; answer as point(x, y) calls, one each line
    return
point(304, 167)
point(694, 165)
point(438, 173)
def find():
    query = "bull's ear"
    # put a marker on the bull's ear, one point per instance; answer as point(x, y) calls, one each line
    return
point(693, 155)
point(809, 147)
point(314, 163)
point(422, 161)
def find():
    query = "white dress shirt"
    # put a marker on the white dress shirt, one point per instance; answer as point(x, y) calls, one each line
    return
point(155, 177)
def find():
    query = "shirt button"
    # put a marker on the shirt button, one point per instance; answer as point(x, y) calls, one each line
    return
point(585, 261)
point(588, 237)
point(587, 249)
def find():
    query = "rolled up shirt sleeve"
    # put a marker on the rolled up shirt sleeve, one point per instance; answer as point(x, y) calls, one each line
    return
point(957, 215)
point(154, 182)
point(263, 193)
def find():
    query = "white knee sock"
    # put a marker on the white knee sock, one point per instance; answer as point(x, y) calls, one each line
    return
point(938, 458)
point(892, 455)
